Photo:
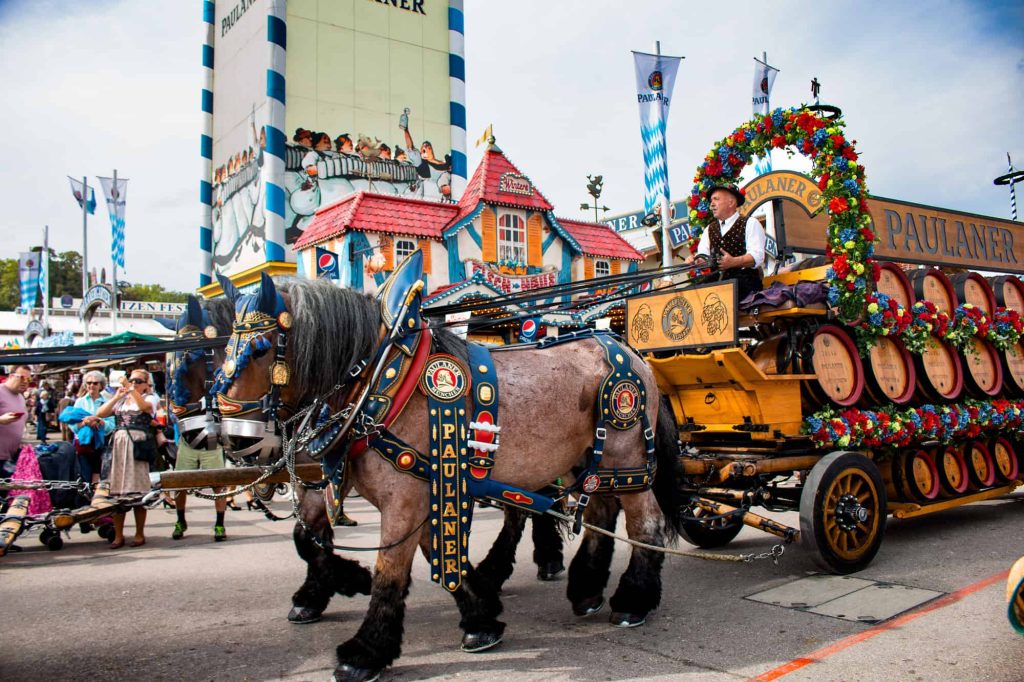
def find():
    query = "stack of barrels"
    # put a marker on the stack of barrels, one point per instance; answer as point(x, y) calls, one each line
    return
point(890, 374)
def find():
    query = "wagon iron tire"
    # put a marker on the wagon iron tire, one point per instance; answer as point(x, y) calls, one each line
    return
point(710, 534)
point(843, 512)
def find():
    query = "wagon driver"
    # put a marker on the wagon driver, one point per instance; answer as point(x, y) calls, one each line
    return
point(737, 244)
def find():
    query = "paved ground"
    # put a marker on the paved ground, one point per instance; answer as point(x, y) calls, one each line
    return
point(197, 610)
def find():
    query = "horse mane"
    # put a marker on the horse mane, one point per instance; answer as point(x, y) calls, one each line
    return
point(222, 314)
point(447, 342)
point(333, 329)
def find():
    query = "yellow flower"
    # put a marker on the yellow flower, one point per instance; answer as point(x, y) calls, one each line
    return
point(872, 307)
point(850, 245)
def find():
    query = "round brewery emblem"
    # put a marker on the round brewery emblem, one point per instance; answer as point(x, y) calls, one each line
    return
point(444, 378)
point(677, 319)
point(591, 483)
point(654, 80)
point(625, 401)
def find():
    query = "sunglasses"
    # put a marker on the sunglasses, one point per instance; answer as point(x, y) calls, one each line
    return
point(92, 383)
point(137, 381)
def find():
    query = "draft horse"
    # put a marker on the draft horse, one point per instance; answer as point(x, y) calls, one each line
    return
point(377, 380)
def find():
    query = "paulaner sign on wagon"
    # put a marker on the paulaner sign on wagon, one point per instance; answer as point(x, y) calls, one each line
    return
point(907, 232)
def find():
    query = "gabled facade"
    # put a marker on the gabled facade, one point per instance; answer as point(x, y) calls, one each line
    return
point(502, 236)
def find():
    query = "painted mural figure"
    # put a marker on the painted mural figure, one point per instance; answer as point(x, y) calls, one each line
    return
point(238, 221)
point(432, 172)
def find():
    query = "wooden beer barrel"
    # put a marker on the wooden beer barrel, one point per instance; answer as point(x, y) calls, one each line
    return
point(932, 284)
point(952, 468)
point(981, 470)
point(830, 354)
point(889, 373)
point(1008, 291)
point(920, 476)
point(940, 376)
point(1004, 457)
point(774, 355)
point(894, 283)
point(1013, 370)
point(970, 287)
point(983, 370)
point(835, 362)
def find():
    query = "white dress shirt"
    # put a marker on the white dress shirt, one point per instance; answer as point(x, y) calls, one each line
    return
point(755, 239)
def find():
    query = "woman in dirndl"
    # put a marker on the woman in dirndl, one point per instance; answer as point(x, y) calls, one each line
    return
point(131, 449)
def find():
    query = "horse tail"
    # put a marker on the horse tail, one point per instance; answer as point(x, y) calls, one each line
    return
point(668, 481)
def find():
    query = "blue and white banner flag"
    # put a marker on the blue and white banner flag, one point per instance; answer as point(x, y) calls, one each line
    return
point(78, 191)
point(528, 330)
point(28, 274)
point(764, 164)
point(764, 80)
point(326, 264)
point(115, 208)
point(655, 79)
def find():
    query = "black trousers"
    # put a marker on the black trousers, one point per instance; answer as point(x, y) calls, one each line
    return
point(748, 280)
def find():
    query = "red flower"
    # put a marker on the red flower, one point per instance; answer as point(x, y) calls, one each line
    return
point(848, 153)
point(850, 286)
point(734, 160)
point(713, 168)
point(778, 141)
point(808, 146)
point(739, 137)
point(838, 205)
point(867, 234)
point(694, 200)
point(841, 266)
point(876, 270)
point(823, 181)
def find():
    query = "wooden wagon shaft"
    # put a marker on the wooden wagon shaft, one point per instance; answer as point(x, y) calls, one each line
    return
point(725, 469)
point(751, 519)
point(14, 522)
point(217, 478)
point(102, 505)
point(907, 510)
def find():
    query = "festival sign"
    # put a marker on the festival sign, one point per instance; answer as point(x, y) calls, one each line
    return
point(697, 317)
point(310, 102)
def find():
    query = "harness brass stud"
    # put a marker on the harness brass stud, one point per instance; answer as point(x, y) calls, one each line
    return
point(465, 505)
point(464, 519)
point(451, 583)
point(482, 369)
point(284, 320)
point(433, 413)
point(437, 577)
point(447, 412)
point(461, 411)
point(390, 374)
point(433, 522)
point(433, 507)
point(210, 332)
point(436, 562)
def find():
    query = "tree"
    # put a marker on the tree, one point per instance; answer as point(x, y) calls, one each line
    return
point(10, 287)
point(151, 292)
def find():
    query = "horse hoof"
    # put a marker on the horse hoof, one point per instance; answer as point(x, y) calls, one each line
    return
point(350, 673)
point(550, 571)
point(627, 620)
point(301, 615)
point(477, 642)
point(588, 607)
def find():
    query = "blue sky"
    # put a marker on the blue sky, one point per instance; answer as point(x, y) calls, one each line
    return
point(932, 92)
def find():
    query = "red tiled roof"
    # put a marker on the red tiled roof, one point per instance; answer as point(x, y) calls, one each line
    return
point(378, 213)
point(486, 182)
point(600, 240)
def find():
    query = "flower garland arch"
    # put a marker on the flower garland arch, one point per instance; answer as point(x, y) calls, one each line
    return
point(851, 241)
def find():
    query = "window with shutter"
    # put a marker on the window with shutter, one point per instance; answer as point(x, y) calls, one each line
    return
point(588, 267)
point(602, 268)
point(403, 249)
point(616, 267)
point(511, 240)
point(425, 247)
point(386, 247)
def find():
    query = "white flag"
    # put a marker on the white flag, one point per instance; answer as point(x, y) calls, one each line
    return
point(764, 79)
point(115, 207)
point(655, 79)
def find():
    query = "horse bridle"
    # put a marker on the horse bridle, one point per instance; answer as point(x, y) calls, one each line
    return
point(266, 433)
point(200, 415)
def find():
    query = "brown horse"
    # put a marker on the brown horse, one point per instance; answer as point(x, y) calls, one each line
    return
point(548, 416)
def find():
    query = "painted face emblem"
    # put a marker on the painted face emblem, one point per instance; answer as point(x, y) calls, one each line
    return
point(591, 483)
point(444, 378)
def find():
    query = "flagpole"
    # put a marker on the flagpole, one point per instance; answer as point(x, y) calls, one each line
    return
point(666, 248)
point(113, 298)
point(46, 279)
point(85, 249)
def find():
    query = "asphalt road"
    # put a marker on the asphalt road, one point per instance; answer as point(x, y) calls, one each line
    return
point(196, 610)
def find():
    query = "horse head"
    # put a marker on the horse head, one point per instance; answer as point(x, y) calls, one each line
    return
point(191, 373)
point(252, 385)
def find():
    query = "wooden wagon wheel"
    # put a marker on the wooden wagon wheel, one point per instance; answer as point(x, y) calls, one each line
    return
point(710, 533)
point(843, 511)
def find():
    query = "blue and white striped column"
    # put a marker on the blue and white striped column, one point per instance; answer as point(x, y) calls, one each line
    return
point(273, 159)
point(457, 104)
point(206, 152)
